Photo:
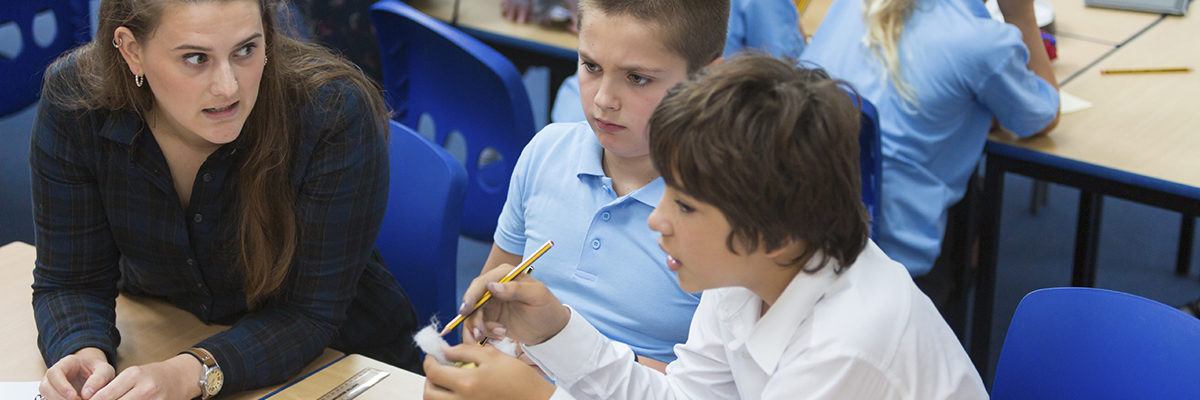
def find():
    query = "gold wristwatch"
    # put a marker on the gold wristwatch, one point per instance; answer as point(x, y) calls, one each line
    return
point(213, 379)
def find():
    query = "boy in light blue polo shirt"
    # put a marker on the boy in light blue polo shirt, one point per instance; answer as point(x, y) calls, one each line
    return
point(589, 186)
point(951, 72)
point(772, 26)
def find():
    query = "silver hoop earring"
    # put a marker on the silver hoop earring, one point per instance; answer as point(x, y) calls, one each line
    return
point(138, 80)
point(116, 43)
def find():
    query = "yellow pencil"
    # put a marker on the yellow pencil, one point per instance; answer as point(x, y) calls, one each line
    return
point(1143, 70)
point(524, 267)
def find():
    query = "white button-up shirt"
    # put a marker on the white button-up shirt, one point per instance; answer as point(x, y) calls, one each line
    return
point(868, 333)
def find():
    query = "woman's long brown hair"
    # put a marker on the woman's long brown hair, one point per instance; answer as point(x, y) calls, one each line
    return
point(267, 227)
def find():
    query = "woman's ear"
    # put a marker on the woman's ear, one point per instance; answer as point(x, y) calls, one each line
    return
point(130, 49)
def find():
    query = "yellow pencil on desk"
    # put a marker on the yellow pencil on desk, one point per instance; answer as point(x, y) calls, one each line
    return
point(524, 267)
point(1111, 71)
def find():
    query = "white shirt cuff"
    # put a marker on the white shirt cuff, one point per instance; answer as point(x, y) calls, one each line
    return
point(571, 354)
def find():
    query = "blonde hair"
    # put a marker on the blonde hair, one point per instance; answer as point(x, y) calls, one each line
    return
point(884, 21)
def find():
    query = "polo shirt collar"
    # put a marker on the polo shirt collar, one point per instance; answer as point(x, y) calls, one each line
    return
point(589, 164)
point(774, 332)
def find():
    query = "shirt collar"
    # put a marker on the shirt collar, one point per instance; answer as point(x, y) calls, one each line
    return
point(590, 165)
point(121, 126)
point(773, 333)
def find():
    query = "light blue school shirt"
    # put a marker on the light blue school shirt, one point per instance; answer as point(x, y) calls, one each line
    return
point(965, 69)
point(605, 262)
point(768, 25)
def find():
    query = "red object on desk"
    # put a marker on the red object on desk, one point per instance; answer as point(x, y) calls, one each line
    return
point(1051, 45)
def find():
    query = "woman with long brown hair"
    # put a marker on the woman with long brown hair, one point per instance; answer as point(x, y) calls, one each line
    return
point(194, 154)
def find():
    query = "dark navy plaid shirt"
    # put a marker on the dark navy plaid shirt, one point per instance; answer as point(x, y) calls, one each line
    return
point(108, 219)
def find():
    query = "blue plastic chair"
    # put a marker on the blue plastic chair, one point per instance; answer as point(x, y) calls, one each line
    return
point(1087, 343)
point(419, 236)
point(431, 70)
point(22, 71)
point(63, 23)
point(870, 158)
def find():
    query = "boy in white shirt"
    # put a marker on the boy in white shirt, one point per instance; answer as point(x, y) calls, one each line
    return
point(761, 211)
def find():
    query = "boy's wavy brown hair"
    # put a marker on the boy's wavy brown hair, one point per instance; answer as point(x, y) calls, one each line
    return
point(775, 148)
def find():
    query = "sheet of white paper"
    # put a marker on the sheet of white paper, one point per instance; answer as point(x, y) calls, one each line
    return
point(1069, 103)
point(19, 390)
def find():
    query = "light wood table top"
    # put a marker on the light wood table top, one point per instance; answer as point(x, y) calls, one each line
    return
point(151, 330)
point(398, 385)
point(1145, 124)
point(1112, 27)
point(485, 15)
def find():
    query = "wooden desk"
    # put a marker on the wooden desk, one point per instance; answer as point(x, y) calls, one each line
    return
point(399, 384)
point(1111, 27)
point(151, 330)
point(482, 19)
point(1137, 142)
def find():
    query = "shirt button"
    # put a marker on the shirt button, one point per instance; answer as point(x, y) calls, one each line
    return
point(204, 307)
point(191, 262)
point(596, 244)
point(199, 285)
point(207, 177)
point(197, 218)
point(606, 215)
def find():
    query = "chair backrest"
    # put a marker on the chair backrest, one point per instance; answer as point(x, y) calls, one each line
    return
point(1086, 343)
point(469, 91)
point(43, 29)
point(870, 158)
point(419, 236)
point(32, 34)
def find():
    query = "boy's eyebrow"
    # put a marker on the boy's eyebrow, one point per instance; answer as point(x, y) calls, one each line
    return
point(632, 67)
point(256, 35)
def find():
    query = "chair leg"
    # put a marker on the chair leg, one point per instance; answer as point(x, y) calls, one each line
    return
point(1187, 232)
point(1039, 195)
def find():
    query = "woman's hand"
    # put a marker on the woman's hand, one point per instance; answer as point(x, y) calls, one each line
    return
point(495, 376)
point(522, 309)
point(77, 376)
point(175, 378)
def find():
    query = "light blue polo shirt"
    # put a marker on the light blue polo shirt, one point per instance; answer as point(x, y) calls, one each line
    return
point(966, 69)
point(772, 26)
point(605, 262)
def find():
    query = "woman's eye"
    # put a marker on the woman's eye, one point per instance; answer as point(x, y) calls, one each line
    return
point(195, 58)
point(245, 50)
point(638, 80)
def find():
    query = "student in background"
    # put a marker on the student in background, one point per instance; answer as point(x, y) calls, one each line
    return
point(193, 153)
point(762, 212)
point(939, 72)
point(589, 185)
point(772, 26)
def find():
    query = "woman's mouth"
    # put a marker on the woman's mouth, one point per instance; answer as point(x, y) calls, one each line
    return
point(222, 112)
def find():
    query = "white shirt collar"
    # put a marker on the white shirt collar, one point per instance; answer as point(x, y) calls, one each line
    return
point(770, 335)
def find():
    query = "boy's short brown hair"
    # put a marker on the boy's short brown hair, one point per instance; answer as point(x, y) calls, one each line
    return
point(775, 148)
point(693, 29)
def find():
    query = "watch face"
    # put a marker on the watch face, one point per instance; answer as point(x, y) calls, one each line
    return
point(213, 383)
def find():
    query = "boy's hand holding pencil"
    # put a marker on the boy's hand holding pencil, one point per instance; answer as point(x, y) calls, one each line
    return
point(520, 308)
